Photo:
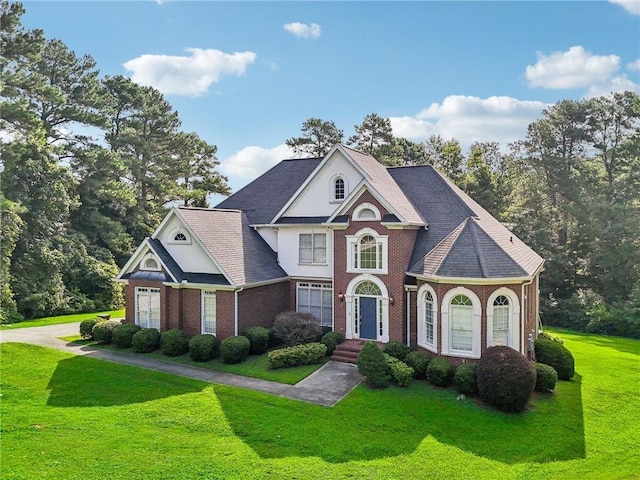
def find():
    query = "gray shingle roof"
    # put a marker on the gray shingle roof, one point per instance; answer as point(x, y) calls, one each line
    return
point(263, 198)
point(240, 251)
point(463, 239)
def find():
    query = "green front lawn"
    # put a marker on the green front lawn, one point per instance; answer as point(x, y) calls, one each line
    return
point(74, 417)
point(256, 366)
point(76, 317)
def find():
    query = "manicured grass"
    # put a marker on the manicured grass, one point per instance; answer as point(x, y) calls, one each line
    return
point(75, 417)
point(76, 317)
point(256, 366)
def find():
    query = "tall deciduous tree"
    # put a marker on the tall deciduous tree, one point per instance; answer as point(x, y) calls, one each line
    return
point(318, 136)
point(446, 156)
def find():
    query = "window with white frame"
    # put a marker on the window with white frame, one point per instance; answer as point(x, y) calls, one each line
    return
point(461, 323)
point(179, 235)
point(368, 252)
point(427, 306)
point(209, 312)
point(149, 262)
point(339, 189)
point(316, 299)
point(501, 320)
point(148, 307)
point(429, 319)
point(312, 248)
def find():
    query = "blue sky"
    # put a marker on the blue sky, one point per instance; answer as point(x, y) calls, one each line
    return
point(245, 75)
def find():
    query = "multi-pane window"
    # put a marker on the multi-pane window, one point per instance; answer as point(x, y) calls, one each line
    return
point(501, 316)
point(148, 307)
point(461, 324)
point(428, 319)
point(209, 312)
point(367, 254)
point(312, 248)
point(180, 237)
point(339, 189)
point(316, 299)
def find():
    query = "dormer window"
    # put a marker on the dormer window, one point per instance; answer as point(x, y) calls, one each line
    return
point(150, 263)
point(339, 188)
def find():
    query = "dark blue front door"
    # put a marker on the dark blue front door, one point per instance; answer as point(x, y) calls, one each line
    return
point(368, 307)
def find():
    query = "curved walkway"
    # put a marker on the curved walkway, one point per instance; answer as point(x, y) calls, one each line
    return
point(326, 386)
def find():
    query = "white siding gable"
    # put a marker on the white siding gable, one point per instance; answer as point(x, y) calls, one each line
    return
point(288, 256)
point(316, 200)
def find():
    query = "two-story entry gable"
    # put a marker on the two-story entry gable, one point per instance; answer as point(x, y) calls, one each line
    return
point(377, 253)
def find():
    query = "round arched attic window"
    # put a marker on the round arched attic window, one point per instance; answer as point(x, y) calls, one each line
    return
point(366, 214)
point(180, 237)
point(150, 263)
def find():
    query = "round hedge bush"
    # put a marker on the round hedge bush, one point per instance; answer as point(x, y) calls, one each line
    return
point(123, 334)
point(174, 342)
point(203, 348)
point(234, 349)
point(146, 340)
point(419, 361)
point(331, 340)
point(86, 328)
point(373, 365)
point(440, 372)
point(397, 349)
point(546, 377)
point(505, 378)
point(258, 339)
point(555, 354)
point(103, 331)
point(466, 379)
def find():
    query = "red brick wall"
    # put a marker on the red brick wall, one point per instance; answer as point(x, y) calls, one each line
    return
point(400, 244)
point(260, 305)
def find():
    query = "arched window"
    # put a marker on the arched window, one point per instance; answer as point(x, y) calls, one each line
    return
point(180, 237)
point(461, 323)
point(366, 214)
point(501, 320)
point(427, 305)
point(339, 189)
point(368, 288)
point(150, 263)
point(429, 320)
point(368, 251)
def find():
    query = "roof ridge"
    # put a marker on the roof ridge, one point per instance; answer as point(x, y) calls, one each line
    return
point(493, 240)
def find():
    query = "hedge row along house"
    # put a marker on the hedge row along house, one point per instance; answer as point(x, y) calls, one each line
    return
point(377, 253)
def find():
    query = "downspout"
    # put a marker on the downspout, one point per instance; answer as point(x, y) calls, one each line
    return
point(408, 316)
point(235, 306)
point(523, 317)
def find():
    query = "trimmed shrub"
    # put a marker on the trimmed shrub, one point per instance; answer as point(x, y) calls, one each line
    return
point(546, 377)
point(296, 328)
point(397, 349)
point(123, 334)
point(440, 372)
point(86, 328)
point(296, 355)
point(273, 340)
point(331, 340)
point(325, 329)
point(372, 365)
point(174, 342)
point(399, 371)
point(203, 348)
point(258, 339)
point(146, 340)
point(235, 349)
point(505, 378)
point(419, 361)
point(466, 379)
point(103, 331)
point(555, 354)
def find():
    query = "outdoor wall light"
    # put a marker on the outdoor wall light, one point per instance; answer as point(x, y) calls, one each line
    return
point(392, 300)
point(341, 296)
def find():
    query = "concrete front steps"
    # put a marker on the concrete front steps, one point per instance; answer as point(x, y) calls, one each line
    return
point(347, 351)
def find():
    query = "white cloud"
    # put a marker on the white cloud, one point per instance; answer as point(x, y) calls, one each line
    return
point(631, 6)
point(252, 161)
point(303, 30)
point(469, 119)
point(188, 75)
point(621, 83)
point(575, 68)
point(634, 65)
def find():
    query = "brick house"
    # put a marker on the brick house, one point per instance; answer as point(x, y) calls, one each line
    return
point(378, 253)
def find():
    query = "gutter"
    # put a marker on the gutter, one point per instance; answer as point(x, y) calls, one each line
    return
point(235, 311)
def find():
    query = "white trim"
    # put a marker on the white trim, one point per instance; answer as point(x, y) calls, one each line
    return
point(352, 240)
point(147, 291)
point(135, 259)
point(313, 247)
point(322, 287)
point(514, 318)
point(149, 256)
point(470, 280)
point(420, 320)
point(477, 323)
point(383, 305)
point(332, 187)
point(366, 206)
point(179, 230)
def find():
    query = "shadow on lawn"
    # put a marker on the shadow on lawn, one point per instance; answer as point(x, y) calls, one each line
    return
point(370, 424)
point(86, 382)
